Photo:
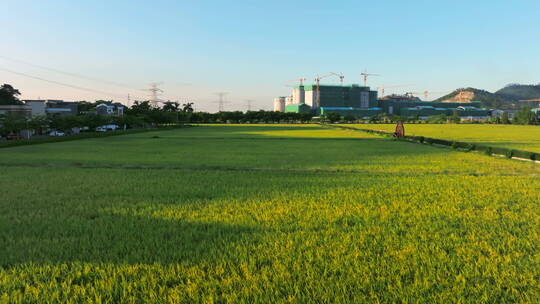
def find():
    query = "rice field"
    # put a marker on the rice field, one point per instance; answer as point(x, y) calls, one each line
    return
point(265, 214)
point(519, 137)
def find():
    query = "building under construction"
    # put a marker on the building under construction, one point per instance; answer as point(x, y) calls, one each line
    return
point(323, 99)
point(361, 102)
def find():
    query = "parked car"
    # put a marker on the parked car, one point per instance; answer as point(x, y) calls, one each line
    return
point(57, 133)
point(106, 128)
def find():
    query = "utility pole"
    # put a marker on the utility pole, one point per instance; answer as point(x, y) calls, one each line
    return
point(129, 100)
point(221, 100)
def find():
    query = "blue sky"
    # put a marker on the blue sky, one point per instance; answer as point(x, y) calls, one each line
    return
point(250, 48)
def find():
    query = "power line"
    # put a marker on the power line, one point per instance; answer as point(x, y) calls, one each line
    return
point(63, 84)
point(118, 84)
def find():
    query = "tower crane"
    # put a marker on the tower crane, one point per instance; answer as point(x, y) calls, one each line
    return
point(340, 75)
point(366, 75)
point(426, 93)
point(381, 88)
point(318, 84)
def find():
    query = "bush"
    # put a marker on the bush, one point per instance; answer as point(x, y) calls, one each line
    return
point(523, 154)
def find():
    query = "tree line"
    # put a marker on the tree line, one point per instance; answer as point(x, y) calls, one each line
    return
point(142, 114)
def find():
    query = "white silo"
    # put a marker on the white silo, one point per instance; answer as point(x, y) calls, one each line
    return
point(279, 104)
point(289, 100)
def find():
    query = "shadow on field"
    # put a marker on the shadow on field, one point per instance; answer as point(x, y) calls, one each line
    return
point(106, 238)
point(271, 152)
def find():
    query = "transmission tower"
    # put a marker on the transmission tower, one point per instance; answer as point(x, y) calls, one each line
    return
point(154, 93)
point(221, 100)
point(249, 102)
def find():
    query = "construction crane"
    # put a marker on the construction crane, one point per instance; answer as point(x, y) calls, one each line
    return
point(381, 88)
point(340, 75)
point(366, 75)
point(318, 84)
point(426, 93)
point(301, 80)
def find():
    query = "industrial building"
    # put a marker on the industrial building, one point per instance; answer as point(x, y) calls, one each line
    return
point(323, 99)
point(52, 106)
point(361, 102)
point(22, 110)
point(279, 104)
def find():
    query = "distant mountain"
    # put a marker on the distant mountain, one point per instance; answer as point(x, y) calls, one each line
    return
point(520, 92)
point(488, 99)
point(505, 98)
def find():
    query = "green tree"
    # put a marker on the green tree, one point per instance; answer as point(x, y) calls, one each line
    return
point(504, 118)
point(93, 120)
point(67, 122)
point(170, 106)
point(11, 124)
point(305, 117)
point(128, 121)
point(140, 107)
point(9, 95)
point(38, 123)
point(187, 107)
point(349, 118)
point(86, 107)
point(455, 118)
point(525, 116)
point(333, 117)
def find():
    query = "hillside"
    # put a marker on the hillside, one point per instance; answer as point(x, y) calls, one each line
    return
point(488, 99)
point(519, 92)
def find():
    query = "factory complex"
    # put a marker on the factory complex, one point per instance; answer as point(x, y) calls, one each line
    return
point(361, 102)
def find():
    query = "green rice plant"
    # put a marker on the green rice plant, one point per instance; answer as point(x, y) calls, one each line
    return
point(265, 214)
point(508, 136)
